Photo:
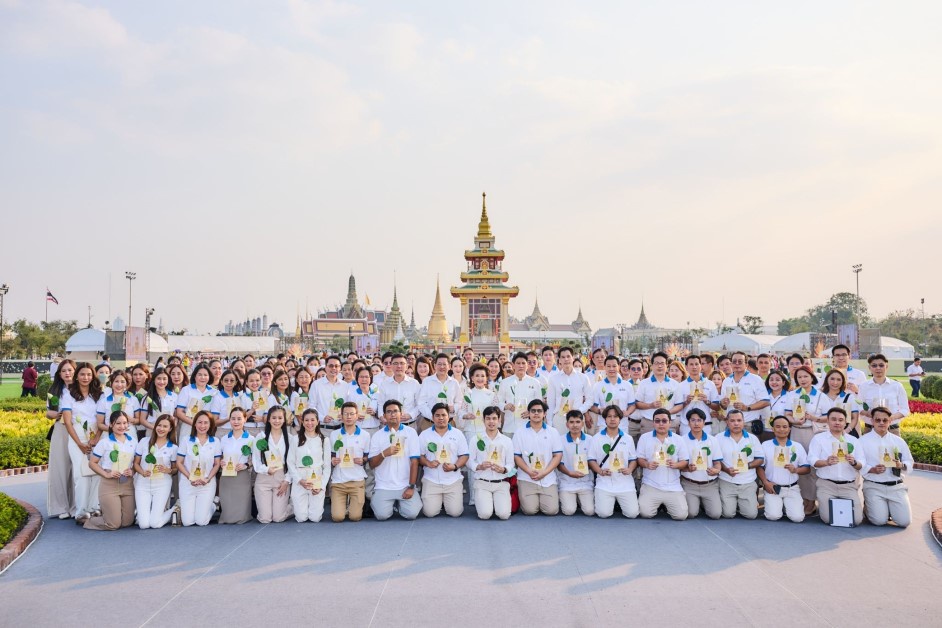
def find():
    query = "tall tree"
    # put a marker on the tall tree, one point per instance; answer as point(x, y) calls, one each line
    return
point(751, 324)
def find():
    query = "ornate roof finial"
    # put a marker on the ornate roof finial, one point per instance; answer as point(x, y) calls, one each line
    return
point(484, 227)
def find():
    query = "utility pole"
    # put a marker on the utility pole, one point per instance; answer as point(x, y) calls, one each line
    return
point(857, 269)
point(130, 277)
point(3, 292)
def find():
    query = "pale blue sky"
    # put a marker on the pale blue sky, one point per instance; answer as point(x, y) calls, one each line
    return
point(296, 141)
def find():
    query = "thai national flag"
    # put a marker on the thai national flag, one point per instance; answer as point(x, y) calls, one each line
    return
point(49, 297)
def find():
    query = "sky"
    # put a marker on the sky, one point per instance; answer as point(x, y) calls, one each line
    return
point(713, 159)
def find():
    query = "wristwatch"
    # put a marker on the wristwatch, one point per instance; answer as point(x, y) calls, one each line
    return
point(412, 486)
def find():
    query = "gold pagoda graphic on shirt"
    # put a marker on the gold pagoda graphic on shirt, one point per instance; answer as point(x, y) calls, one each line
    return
point(484, 296)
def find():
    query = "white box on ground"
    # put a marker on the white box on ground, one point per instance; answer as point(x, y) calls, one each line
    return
point(842, 512)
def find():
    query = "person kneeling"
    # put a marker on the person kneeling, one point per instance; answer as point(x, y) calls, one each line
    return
point(394, 458)
point(446, 452)
point(111, 459)
point(701, 477)
point(492, 461)
point(576, 489)
point(612, 457)
point(348, 477)
point(742, 453)
point(785, 461)
point(838, 460)
point(662, 455)
point(885, 495)
point(538, 449)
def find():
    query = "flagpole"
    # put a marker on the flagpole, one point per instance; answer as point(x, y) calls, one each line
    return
point(47, 306)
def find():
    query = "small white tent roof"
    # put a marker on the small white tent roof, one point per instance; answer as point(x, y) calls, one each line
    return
point(86, 340)
point(892, 348)
point(264, 345)
point(750, 343)
point(800, 342)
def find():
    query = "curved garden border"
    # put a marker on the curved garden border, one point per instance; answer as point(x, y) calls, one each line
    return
point(23, 539)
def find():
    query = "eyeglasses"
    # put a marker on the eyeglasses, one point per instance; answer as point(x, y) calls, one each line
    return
point(661, 421)
point(536, 411)
point(636, 368)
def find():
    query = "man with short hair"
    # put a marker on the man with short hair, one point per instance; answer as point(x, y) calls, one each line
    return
point(549, 364)
point(576, 489)
point(445, 452)
point(742, 453)
point(840, 359)
point(394, 458)
point(568, 390)
point(763, 365)
point(613, 459)
point(915, 373)
point(881, 391)
point(838, 459)
point(533, 363)
point(349, 452)
point(743, 391)
point(329, 393)
point(695, 392)
point(387, 372)
point(439, 387)
point(515, 393)
point(725, 364)
point(707, 364)
point(402, 388)
point(700, 479)
point(538, 451)
point(888, 457)
point(657, 392)
point(611, 390)
point(662, 455)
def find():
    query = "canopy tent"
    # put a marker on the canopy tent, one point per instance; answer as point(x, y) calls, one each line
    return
point(87, 345)
point(224, 345)
point(800, 343)
point(892, 348)
point(749, 343)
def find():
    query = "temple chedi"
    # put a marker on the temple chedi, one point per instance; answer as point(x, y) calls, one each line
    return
point(393, 321)
point(484, 295)
point(437, 325)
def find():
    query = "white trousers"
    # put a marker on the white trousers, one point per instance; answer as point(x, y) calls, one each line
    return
point(196, 502)
point(605, 503)
point(151, 500)
point(882, 502)
point(492, 498)
point(788, 500)
point(307, 505)
point(569, 501)
point(86, 486)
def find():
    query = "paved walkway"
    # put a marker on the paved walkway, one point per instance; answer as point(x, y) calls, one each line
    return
point(554, 571)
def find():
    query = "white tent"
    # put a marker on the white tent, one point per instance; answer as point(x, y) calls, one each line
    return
point(892, 348)
point(749, 343)
point(87, 345)
point(800, 343)
point(224, 345)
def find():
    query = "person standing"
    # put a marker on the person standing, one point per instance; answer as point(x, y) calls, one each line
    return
point(838, 459)
point(439, 387)
point(78, 405)
point(538, 450)
point(658, 392)
point(611, 390)
point(330, 395)
point(882, 392)
point(568, 390)
point(888, 458)
point(30, 377)
point(445, 452)
point(394, 458)
point(60, 494)
point(515, 393)
point(403, 389)
point(916, 373)
point(745, 392)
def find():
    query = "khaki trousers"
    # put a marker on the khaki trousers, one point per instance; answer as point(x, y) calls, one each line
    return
point(605, 503)
point(347, 497)
point(788, 501)
point(434, 496)
point(827, 490)
point(535, 498)
point(883, 502)
point(272, 508)
point(741, 497)
point(803, 436)
point(569, 501)
point(117, 505)
point(492, 498)
point(705, 495)
point(651, 498)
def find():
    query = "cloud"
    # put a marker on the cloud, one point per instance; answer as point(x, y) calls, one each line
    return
point(56, 26)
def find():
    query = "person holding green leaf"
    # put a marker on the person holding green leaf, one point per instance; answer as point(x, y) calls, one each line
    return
point(662, 455)
point(746, 392)
point(569, 389)
point(254, 402)
point(888, 457)
point(309, 468)
point(783, 463)
point(154, 464)
point(403, 389)
point(695, 391)
point(576, 484)
point(228, 396)
point(272, 447)
point(838, 460)
point(301, 396)
point(446, 452)
point(394, 456)
point(119, 399)
point(198, 461)
point(111, 460)
point(158, 400)
point(329, 395)
point(78, 405)
point(834, 395)
point(700, 480)
point(742, 454)
point(60, 498)
point(439, 387)
point(491, 459)
point(613, 458)
point(349, 449)
point(801, 412)
point(657, 392)
point(193, 399)
point(235, 485)
point(515, 393)
point(280, 395)
point(538, 450)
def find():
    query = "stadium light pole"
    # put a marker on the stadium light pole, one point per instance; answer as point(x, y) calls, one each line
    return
point(857, 270)
point(3, 292)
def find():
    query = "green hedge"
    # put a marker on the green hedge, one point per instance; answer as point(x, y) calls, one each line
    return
point(42, 386)
point(28, 404)
point(12, 518)
point(23, 451)
point(932, 387)
point(925, 448)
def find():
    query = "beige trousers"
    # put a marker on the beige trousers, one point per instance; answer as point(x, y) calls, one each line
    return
point(884, 502)
point(570, 501)
point(651, 498)
point(434, 496)
point(347, 497)
point(535, 498)
point(741, 497)
point(272, 508)
point(827, 490)
point(117, 505)
point(492, 498)
point(703, 495)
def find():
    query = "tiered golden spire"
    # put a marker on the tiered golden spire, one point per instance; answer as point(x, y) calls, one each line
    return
point(484, 227)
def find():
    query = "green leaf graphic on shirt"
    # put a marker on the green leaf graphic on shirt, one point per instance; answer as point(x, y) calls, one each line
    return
point(261, 444)
point(432, 447)
point(747, 450)
point(115, 407)
point(481, 445)
point(307, 461)
point(565, 393)
point(671, 449)
point(207, 398)
point(338, 445)
point(246, 450)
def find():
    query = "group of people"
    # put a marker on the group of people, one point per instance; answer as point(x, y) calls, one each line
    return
point(534, 433)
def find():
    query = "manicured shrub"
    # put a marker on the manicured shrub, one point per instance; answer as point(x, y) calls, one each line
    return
point(12, 518)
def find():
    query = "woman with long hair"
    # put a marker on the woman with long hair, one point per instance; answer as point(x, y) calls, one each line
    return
point(178, 379)
point(193, 399)
point(254, 402)
point(280, 394)
point(835, 395)
point(198, 460)
point(112, 460)
point(154, 464)
point(228, 396)
point(117, 398)
point(268, 457)
point(160, 399)
point(804, 420)
point(235, 485)
point(60, 496)
point(309, 468)
point(301, 394)
point(78, 404)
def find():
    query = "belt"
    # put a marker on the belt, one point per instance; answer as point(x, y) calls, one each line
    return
point(491, 481)
point(894, 427)
point(697, 481)
point(635, 420)
point(893, 483)
point(787, 485)
point(838, 481)
point(407, 422)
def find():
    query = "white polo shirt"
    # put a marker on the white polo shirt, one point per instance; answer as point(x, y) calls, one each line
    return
point(327, 400)
point(618, 393)
point(432, 445)
point(223, 404)
point(352, 445)
point(750, 388)
point(474, 403)
point(650, 447)
point(300, 401)
point(703, 453)
point(231, 447)
point(192, 400)
point(110, 443)
point(915, 372)
point(706, 392)
point(165, 405)
point(531, 445)
point(568, 392)
point(776, 457)
point(365, 400)
point(248, 402)
point(891, 391)
point(881, 450)
point(84, 414)
point(194, 453)
point(571, 449)
point(166, 456)
point(393, 473)
point(747, 449)
point(519, 392)
point(823, 445)
point(620, 455)
point(110, 403)
point(650, 390)
point(499, 450)
point(432, 391)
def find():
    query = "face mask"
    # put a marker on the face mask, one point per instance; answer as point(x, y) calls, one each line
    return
point(102, 378)
point(292, 382)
